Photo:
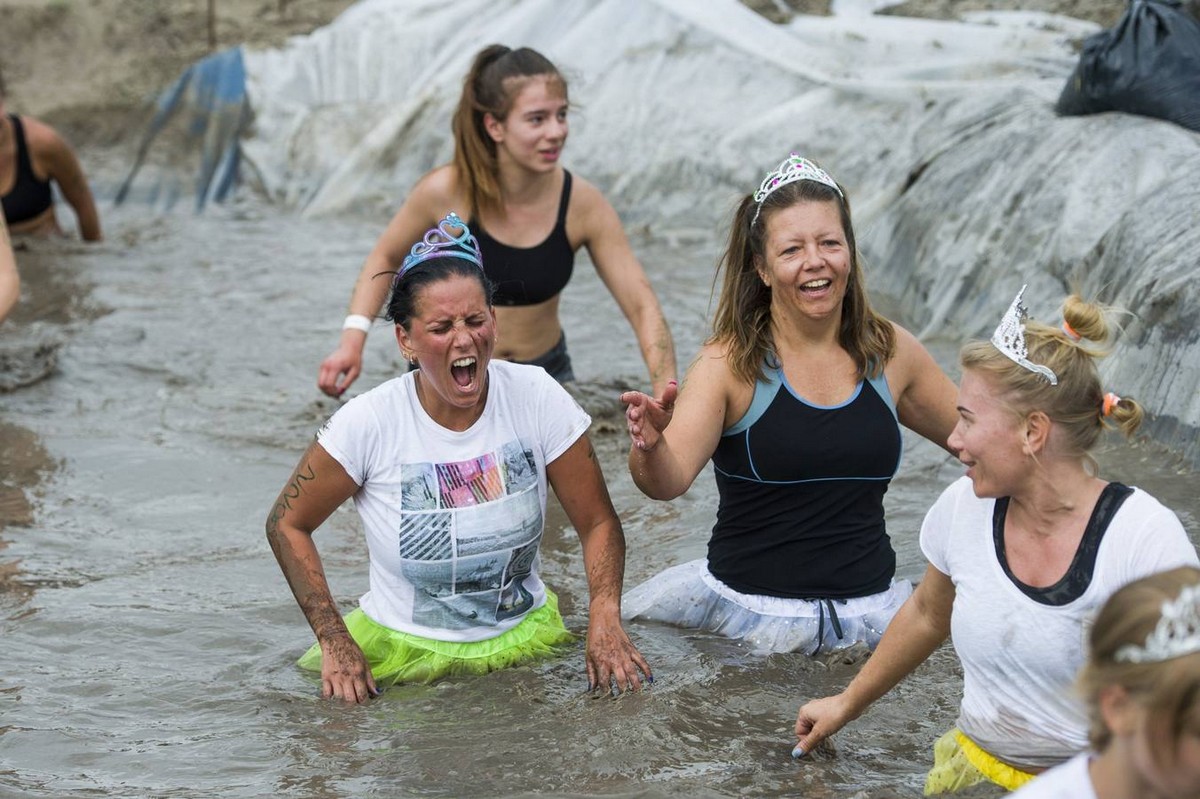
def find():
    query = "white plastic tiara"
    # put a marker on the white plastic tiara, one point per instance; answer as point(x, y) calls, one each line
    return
point(1009, 338)
point(793, 168)
point(1176, 634)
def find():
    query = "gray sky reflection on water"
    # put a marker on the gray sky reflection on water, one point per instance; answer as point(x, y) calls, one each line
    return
point(149, 638)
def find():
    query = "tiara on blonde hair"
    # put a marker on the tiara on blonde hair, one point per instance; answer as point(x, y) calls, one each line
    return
point(1176, 634)
point(1009, 338)
point(793, 168)
point(440, 242)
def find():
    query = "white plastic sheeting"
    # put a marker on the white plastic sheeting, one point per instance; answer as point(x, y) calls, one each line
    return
point(965, 184)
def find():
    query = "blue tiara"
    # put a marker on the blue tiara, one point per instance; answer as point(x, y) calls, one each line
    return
point(440, 242)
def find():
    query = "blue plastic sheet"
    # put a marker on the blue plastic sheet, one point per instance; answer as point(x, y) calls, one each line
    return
point(209, 100)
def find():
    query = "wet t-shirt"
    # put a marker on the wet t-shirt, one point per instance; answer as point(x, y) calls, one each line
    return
point(454, 519)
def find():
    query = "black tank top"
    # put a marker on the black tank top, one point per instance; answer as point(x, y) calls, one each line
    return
point(529, 275)
point(29, 197)
point(801, 494)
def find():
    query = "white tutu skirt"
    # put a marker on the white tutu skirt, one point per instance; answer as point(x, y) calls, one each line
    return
point(689, 596)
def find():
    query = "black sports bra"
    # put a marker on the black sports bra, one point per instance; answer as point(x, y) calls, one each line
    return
point(529, 275)
point(29, 197)
point(1071, 585)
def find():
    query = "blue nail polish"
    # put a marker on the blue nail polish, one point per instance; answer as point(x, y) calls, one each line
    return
point(798, 752)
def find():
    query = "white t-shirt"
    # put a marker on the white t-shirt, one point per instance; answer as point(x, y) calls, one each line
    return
point(1069, 780)
point(453, 520)
point(1020, 656)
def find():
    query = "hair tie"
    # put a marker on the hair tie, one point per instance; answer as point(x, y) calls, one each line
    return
point(1111, 401)
point(1070, 331)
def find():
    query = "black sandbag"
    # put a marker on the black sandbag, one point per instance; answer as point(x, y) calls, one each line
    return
point(1147, 64)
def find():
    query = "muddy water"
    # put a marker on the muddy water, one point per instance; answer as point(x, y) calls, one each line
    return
point(148, 638)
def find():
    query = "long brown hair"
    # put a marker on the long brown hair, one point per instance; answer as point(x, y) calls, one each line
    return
point(743, 319)
point(496, 77)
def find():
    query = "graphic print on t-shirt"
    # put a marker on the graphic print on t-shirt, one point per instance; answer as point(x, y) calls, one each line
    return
point(469, 533)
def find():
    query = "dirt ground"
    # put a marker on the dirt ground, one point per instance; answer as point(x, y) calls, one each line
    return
point(86, 66)
point(78, 63)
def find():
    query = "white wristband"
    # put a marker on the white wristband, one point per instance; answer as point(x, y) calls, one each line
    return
point(357, 321)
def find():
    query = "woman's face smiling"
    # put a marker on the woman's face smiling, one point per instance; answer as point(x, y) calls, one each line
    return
point(535, 130)
point(988, 438)
point(806, 260)
point(451, 335)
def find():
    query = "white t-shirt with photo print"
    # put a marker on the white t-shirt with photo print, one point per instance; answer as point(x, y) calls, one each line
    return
point(453, 520)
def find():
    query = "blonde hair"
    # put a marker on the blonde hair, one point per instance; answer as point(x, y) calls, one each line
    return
point(743, 319)
point(1168, 689)
point(493, 82)
point(1076, 404)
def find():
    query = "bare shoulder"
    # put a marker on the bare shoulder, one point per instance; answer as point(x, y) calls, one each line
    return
point(39, 135)
point(438, 192)
point(47, 148)
point(710, 374)
point(584, 192)
point(910, 354)
point(589, 208)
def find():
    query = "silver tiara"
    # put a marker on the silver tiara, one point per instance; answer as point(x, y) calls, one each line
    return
point(793, 168)
point(1009, 338)
point(1176, 634)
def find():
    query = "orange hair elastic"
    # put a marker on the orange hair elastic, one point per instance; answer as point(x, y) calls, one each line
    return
point(1071, 334)
point(1110, 401)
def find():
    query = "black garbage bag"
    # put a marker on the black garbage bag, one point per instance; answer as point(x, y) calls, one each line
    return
point(1147, 64)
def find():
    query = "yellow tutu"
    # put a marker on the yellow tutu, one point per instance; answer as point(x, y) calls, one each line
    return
point(959, 762)
point(396, 657)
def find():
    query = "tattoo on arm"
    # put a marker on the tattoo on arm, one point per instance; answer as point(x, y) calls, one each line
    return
point(304, 575)
point(291, 491)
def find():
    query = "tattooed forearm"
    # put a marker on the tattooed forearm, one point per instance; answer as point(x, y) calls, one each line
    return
point(322, 615)
point(291, 491)
point(289, 534)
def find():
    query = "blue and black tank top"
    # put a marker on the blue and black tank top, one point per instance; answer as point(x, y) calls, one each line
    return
point(801, 494)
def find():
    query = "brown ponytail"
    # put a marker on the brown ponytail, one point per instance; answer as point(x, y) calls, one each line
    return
point(496, 76)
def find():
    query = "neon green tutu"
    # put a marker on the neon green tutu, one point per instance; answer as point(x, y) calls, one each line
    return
point(396, 657)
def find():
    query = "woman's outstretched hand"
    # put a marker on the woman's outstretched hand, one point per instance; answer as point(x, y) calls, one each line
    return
point(819, 719)
point(647, 417)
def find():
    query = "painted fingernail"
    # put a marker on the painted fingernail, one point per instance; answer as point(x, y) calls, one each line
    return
point(798, 752)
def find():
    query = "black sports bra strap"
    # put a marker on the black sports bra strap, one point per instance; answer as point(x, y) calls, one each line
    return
point(1075, 582)
point(24, 163)
point(564, 200)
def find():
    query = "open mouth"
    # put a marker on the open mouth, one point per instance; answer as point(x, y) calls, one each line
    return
point(463, 372)
point(816, 285)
